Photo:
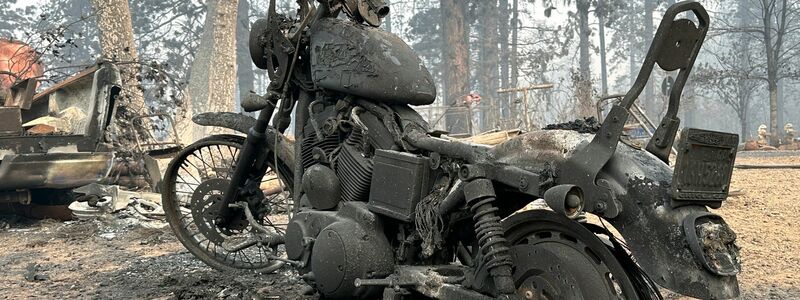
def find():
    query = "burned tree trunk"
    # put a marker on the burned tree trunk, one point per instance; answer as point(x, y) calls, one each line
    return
point(456, 70)
point(651, 105)
point(584, 79)
point(772, 47)
point(503, 99)
point(117, 43)
point(601, 16)
point(489, 65)
point(776, 29)
point(212, 80)
point(244, 67)
point(514, 62)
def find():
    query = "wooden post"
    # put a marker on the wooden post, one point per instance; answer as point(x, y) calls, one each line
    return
point(527, 112)
point(525, 91)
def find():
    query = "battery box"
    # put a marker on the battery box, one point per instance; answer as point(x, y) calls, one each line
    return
point(399, 181)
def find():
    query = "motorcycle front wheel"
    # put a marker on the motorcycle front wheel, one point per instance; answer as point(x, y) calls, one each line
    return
point(195, 182)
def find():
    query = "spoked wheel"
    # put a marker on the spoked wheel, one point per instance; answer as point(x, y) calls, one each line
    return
point(195, 183)
point(557, 258)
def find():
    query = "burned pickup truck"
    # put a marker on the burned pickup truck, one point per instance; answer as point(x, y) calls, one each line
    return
point(54, 141)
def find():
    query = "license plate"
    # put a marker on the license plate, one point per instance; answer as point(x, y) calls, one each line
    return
point(703, 167)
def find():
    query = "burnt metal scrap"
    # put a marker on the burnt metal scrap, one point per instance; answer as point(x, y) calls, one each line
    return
point(381, 206)
point(66, 136)
point(71, 149)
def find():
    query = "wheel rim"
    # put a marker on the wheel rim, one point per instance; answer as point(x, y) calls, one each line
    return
point(556, 258)
point(195, 184)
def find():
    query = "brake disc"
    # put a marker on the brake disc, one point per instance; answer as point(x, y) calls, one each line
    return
point(205, 203)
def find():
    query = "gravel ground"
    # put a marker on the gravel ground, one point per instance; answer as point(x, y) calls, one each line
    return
point(123, 258)
point(763, 218)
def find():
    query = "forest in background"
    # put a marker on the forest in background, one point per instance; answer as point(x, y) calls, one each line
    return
point(175, 59)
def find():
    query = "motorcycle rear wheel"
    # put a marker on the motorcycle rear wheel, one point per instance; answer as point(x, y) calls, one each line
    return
point(194, 181)
point(557, 258)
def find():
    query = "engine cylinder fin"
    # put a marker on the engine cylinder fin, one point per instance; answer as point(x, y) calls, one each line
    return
point(356, 138)
point(355, 173)
point(328, 145)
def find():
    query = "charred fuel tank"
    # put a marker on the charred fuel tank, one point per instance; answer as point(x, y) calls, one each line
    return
point(368, 62)
point(685, 248)
point(338, 247)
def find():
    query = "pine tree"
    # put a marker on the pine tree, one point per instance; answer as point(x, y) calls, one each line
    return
point(213, 74)
point(455, 61)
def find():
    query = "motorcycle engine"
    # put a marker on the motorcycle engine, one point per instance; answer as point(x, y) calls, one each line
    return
point(350, 248)
point(341, 236)
point(340, 239)
point(339, 247)
point(338, 155)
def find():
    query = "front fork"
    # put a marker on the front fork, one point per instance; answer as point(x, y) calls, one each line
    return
point(252, 152)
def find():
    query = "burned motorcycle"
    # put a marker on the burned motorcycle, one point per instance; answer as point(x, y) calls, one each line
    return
point(368, 202)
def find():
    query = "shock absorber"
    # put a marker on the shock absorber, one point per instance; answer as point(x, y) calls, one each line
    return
point(480, 197)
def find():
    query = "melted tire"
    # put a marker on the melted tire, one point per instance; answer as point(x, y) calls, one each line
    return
point(554, 253)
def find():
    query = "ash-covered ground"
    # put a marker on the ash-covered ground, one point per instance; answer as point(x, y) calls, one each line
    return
point(123, 257)
point(115, 258)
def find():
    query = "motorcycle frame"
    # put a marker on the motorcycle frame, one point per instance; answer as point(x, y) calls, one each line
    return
point(264, 141)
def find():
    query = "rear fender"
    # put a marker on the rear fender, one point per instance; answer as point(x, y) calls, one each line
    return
point(651, 227)
point(654, 229)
